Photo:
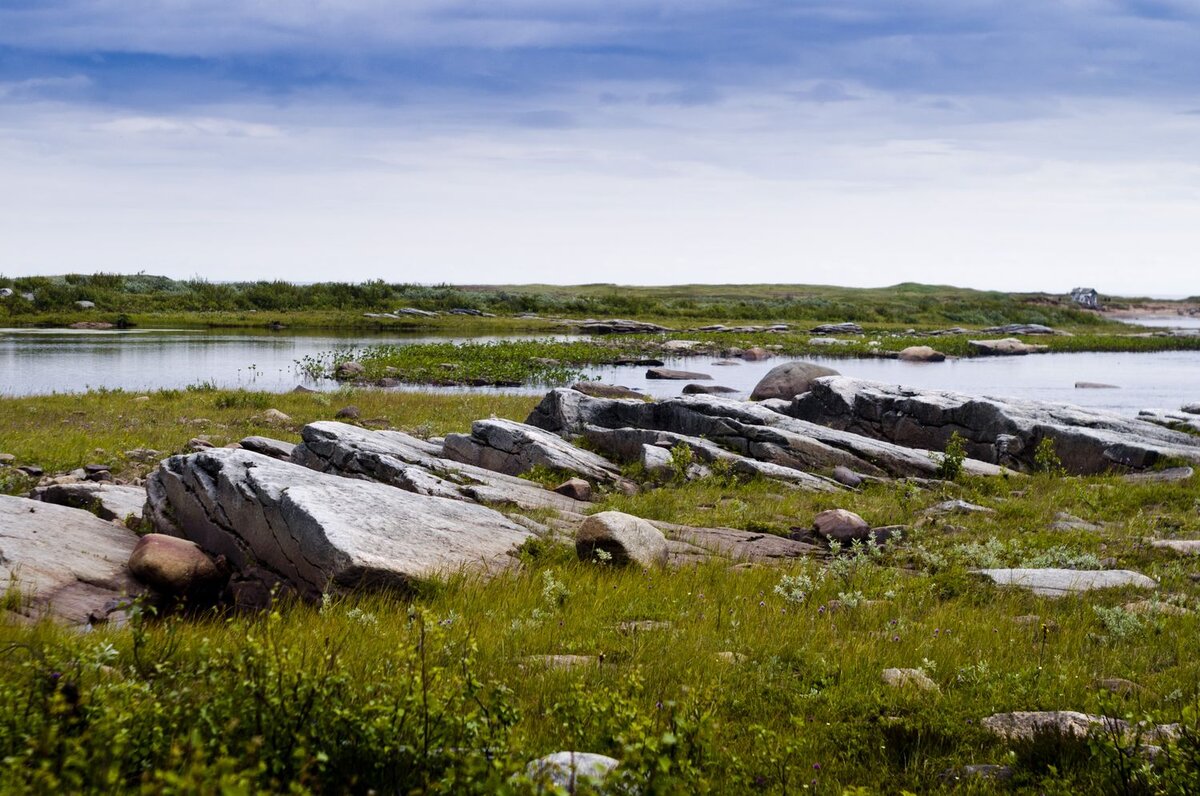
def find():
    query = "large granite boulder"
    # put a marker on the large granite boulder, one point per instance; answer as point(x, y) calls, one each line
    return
point(505, 446)
point(65, 563)
point(320, 531)
point(623, 538)
point(1003, 431)
point(755, 431)
point(789, 380)
point(416, 465)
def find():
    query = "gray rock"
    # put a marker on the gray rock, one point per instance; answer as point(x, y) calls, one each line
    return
point(921, 353)
point(85, 305)
point(106, 501)
point(629, 540)
point(910, 678)
point(67, 564)
point(1028, 724)
point(755, 354)
point(1094, 385)
point(1020, 328)
point(707, 389)
point(403, 461)
point(316, 530)
point(839, 525)
point(276, 449)
point(947, 507)
point(32, 470)
point(619, 326)
point(754, 431)
point(676, 375)
point(847, 477)
point(512, 448)
point(174, 566)
point(1191, 409)
point(143, 455)
point(1189, 547)
point(349, 370)
point(567, 770)
point(1069, 522)
point(598, 390)
point(1007, 347)
point(348, 413)
point(837, 328)
point(1060, 582)
point(789, 380)
point(1167, 476)
point(998, 430)
point(1180, 421)
point(6, 459)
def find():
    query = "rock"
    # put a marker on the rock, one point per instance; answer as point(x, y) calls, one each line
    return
point(597, 390)
point(837, 328)
point(85, 305)
point(301, 389)
point(1059, 582)
point(1167, 476)
point(99, 476)
point(827, 341)
point(909, 678)
point(642, 626)
point(676, 375)
point(576, 489)
point(415, 465)
point(174, 566)
point(1187, 547)
point(1191, 409)
point(997, 430)
point(32, 470)
point(107, 501)
point(1020, 328)
point(976, 772)
point(316, 530)
point(1069, 522)
point(563, 661)
point(707, 389)
point(1180, 421)
point(751, 431)
point(1119, 686)
point(143, 455)
point(349, 370)
point(756, 354)
point(627, 539)
point(1094, 385)
point(619, 326)
point(847, 477)
point(348, 413)
point(198, 444)
point(275, 417)
point(6, 459)
point(1028, 724)
point(839, 525)
point(276, 449)
point(416, 312)
point(789, 380)
point(66, 563)
point(1009, 346)
point(921, 353)
point(948, 507)
point(567, 770)
point(512, 448)
point(1153, 607)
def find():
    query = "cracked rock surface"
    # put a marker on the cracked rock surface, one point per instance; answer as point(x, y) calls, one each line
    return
point(317, 530)
point(1002, 431)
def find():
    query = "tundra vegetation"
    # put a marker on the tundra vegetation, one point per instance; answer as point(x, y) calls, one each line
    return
point(708, 678)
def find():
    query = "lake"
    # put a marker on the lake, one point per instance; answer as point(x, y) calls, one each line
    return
point(42, 361)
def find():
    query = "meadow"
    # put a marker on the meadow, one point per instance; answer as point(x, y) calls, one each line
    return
point(713, 678)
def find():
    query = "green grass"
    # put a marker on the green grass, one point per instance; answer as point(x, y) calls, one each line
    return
point(400, 695)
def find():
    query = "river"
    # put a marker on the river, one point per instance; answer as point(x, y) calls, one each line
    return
point(43, 361)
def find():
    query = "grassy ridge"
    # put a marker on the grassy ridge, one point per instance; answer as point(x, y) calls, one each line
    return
point(759, 680)
point(154, 300)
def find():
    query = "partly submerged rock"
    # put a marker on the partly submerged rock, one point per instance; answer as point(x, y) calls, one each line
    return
point(319, 531)
point(63, 562)
point(676, 375)
point(598, 390)
point(788, 380)
point(1007, 347)
point(921, 353)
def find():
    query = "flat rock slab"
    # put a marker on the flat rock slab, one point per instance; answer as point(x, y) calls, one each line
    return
point(70, 564)
point(1003, 431)
point(416, 465)
point(1167, 476)
point(1007, 347)
point(106, 501)
point(1060, 582)
point(1180, 421)
point(505, 446)
point(1187, 547)
point(275, 448)
point(317, 530)
point(676, 375)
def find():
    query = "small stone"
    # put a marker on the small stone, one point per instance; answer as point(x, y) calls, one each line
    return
point(725, 656)
point(6, 459)
point(598, 390)
point(300, 388)
point(196, 444)
point(141, 399)
point(172, 565)
point(99, 476)
point(914, 678)
point(92, 469)
point(956, 507)
point(755, 354)
point(349, 370)
point(275, 417)
point(1152, 607)
point(1187, 547)
point(143, 455)
point(847, 477)
point(1094, 385)
point(32, 470)
point(348, 413)
point(842, 526)
point(575, 488)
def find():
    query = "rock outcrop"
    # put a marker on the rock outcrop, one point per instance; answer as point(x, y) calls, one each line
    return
point(1060, 582)
point(750, 431)
point(106, 501)
point(998, 430)
point(505, 446)
point(63, 562)
point(1179, 421)
point(320, 531)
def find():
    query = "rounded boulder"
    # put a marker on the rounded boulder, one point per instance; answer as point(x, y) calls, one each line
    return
point(622, 539)
point(842, 526)
point(789, 380)
point(172, 565)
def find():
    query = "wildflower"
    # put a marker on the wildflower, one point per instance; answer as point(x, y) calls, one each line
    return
point(895, 638)
point(816, 766)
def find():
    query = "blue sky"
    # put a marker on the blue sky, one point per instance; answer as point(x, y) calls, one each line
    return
point(1022, 144)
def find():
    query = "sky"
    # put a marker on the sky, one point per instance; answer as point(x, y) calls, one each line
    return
point(1007, 144)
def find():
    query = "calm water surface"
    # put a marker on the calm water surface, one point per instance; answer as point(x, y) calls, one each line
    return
point(43, 361)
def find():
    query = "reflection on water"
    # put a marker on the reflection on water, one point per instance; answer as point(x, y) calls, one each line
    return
point(43, 361)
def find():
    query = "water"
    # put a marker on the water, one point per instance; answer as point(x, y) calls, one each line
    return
point(1166, 321)
point(43, 361)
